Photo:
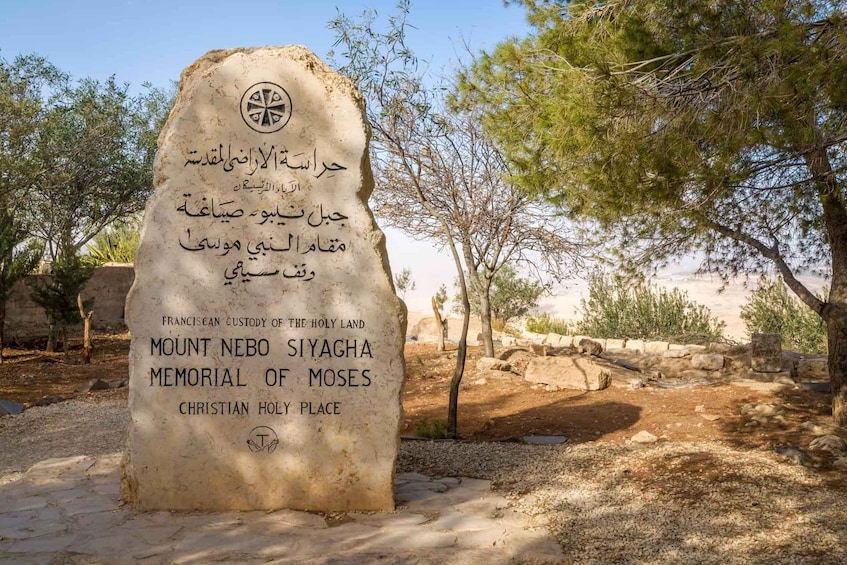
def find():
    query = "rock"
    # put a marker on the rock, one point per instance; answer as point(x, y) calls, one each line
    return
point(122, 383)
point(676, 353)
point(260, 237)
point(564, 372)
point(591, 347)
point(492, 364)
point(552, 339)
point(830, 442)
point(761, 409)
point(635, 345)
point(636, 383)
point(818, 429)
point(48, 400)
point(480, 382)
point(10, 408)
point(719, 348)
point(615, 344)
point(699, 375)
point(566, 341)
point(644, 437)
point(700, 408)
point(840, 463)
point(427, 330)
point(707, 361)
point(93, 384)
point(766, 352)
point(710, 417)
point(795, 454)
point(656, 346)
point(508, 341)
point(812, 370)
point(538, 349)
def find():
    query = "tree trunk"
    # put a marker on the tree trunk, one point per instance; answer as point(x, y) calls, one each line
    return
point(86, 330)
point(2, 330)
point(51, 337)
point(439, 322)
point(485, 320)
point(461, 357)
point(837, 360)
point(64, 334)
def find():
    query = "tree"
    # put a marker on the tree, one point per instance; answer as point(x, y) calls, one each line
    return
point(771, 309)
point(710, 127)
point(438, 302)
point(510, 296)
point(438, 176)
point(60, 298)
point(403, 281)
point(18, 257)
point(95, 150)
point(618, 307)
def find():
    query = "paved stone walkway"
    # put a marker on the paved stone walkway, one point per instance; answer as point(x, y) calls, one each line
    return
point(68, 511)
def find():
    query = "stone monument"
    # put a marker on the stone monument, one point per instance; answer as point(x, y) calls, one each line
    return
point(766, 352)
point(267, 340)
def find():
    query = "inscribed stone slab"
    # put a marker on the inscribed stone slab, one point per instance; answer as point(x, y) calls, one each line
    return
point(267, 340)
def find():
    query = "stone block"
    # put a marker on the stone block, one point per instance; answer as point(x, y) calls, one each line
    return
point(266, 362)
point(552, 339)
point(492, 364)
point(564, 372)
point(766, 352)
point(707, 361)
point(427, 330)
point(615, 344)
point(566, 341)
point(656, 346)
point(812, 370)
point(635, 345)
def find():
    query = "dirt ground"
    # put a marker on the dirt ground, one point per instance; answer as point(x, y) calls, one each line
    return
point(502, 409)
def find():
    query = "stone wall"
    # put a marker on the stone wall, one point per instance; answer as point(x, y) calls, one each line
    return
point(108, 287)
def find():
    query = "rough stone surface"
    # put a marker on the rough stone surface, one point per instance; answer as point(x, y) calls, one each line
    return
point(707, 361)
point(812, 370)
point(267, 340)
point(591, 346)
point(615, 344)
point(446, 520)
point(635, 345)
point(656, 346)
point(553, 339)
point(644, 437)
point(492, 364)
point(563, 372)
point(766, 352)
point(9, 407)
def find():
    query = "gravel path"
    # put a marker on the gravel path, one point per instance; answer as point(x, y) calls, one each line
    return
point(668, 502)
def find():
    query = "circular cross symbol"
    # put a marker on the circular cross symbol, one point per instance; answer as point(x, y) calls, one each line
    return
point(262, 438)
point(266, 107)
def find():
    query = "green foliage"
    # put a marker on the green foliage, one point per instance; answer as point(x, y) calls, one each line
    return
point(403, 281)
point(117, 243)
point(58, 297)
point(75, 156)
point(544, 323)
point(18, 257)
point(441, 297)
point(431, 428)
point(618, 309)
point(510, 296)
point(771, 309)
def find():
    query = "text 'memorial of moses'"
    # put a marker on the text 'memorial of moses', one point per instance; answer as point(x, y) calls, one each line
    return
point(267, 340)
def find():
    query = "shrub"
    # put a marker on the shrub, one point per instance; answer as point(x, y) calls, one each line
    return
point(618, 309)
point(771, 309)
point(431, 428)
point(544, 323)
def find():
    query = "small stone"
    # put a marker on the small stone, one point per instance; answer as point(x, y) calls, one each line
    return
point(794, 454)
point(644, 437)
point(830, 442)
point(636, 383)
point(675, 353)
point(480, 382)
point(92, 385)
point(492, 364)
point(591, 347)
point(8, 407)
point(710, 417)
point(700, 408)
point(48, 400)
point(812, 370)
point(840, 463)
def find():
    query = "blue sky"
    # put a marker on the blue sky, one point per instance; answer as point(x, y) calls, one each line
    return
point(153, 40)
